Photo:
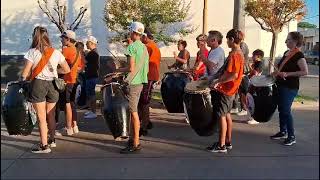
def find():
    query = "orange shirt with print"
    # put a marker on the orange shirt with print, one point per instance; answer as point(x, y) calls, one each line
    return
point(154, 61)
point(70, 54)
point(235, 65)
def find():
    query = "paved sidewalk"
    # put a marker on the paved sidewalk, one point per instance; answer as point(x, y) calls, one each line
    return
point(172, 151)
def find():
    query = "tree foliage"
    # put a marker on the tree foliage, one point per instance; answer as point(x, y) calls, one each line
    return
point(273, 15)
point(306, 25)
point(57, 15)
point(156, 15)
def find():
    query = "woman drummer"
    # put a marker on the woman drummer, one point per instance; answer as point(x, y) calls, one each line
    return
point(290, 68)
point(199, 67)
point(182, 60)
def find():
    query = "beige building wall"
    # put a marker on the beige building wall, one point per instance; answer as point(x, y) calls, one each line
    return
point(18, 18)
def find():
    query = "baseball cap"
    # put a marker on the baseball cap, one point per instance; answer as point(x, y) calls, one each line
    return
point(69, 34)
point(92, 39)
point(137, 27)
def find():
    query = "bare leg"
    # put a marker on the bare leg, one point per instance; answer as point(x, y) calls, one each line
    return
point(136, 128)
point(68, 116)
point(74, 114)
point(51, 119)
point(229, 128)
point(223, 130)
point(43, 128)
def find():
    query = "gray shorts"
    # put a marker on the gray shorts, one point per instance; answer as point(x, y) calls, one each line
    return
point(134, 96)
point(43, 91)
point(221, 103)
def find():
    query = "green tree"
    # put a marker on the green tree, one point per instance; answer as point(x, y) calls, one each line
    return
point(306, 25)
point(156, 15)
point(273, 15)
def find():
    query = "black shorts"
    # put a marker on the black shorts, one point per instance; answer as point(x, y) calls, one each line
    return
point(69, 94)
point(43, 91)
point(244, 86)
point(221, 103)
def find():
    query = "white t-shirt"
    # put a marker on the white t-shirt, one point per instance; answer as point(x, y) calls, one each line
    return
point(216, 56)
point(34, 56)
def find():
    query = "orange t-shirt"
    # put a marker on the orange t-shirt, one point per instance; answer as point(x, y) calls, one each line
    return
point(235, 64)
point(70, 54)
point(154, 61)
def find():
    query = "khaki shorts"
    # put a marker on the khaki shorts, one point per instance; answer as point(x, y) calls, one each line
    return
point(134, 96)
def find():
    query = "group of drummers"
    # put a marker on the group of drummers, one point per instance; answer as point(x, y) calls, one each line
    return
point(222, 76)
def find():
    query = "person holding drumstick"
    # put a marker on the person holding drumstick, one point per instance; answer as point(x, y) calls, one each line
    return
point(292, 66)
point(199, 67)
point(182, 60)
point(224, 90)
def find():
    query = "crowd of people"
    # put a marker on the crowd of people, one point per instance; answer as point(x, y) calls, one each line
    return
point(228, 80)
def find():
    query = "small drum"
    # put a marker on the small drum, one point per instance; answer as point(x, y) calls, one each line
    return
point(262, 101)
point(172, 90)
point(115, 110)
point(198, 108)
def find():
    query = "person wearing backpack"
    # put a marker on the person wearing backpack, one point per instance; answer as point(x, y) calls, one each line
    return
point(41, 69)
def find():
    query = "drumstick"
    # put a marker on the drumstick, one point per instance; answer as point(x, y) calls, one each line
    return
point(275, 67)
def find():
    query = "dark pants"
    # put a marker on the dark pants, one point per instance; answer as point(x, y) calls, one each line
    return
point(285, 99)
point(144, 104)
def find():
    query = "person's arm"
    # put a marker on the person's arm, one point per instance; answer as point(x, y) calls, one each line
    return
point(209, 63)
point(303, 70)
point(26, 70)
point(64, 68)
point(229, 75)
point(185, 58)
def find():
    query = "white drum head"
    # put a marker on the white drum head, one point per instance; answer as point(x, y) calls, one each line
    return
point(197, 87)
point(262, 81)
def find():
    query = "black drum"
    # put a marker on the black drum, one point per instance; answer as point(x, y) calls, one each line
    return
point(172, 90)
point(198, 108)
point(17, 113)
point(115, 110)
point(262, 98)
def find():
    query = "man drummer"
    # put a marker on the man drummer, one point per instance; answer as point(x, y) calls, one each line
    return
point(138, 75)
point(153, 77)
point(224, 90)
point(216, 56)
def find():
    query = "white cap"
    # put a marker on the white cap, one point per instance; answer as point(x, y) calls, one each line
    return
point(137, 27)
point(92, 39)
point(69, 34)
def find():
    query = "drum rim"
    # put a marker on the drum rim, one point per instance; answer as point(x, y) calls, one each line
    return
point(268, 84)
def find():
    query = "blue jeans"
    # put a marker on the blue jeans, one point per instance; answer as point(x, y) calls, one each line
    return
point(91, 86)
point(285, 99)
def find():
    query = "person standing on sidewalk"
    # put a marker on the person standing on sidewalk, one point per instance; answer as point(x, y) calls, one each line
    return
point(224, 90)
point(73, 57)
point(291, 67)
point(138, 59)
point(153, 77)
point(91, 74)
point(42, 63)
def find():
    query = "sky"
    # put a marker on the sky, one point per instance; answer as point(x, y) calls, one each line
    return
point(313, 12)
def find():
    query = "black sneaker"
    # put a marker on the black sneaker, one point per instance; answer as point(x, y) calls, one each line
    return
point(211, 148)
point(52, 143)
point(41, 149)
point(150, 125)
point(290, 141)
point(220, 149)
point(143, 132)
point(131, 149)
point(279, 135)
point(228, 145)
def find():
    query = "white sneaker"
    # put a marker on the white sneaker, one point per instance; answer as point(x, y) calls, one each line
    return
point(187, 121)
point(252, 121)
point(57, 133)
point(234, 111)
point(75, 129)
point(90, 116)
point(242, 113)
point(65, 132)
point(88, 112)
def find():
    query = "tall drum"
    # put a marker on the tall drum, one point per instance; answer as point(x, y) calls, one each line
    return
point(115, 110)
point(198, 108)
point(172, 90)
point(17, 113)
point(262, 100)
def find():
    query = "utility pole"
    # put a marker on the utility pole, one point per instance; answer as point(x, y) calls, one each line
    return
point(205, 12)
point(238, 15)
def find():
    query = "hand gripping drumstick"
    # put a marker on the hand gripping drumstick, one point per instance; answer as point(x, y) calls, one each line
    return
point(275, 68)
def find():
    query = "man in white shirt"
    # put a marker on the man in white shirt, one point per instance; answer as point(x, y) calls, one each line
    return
point(216, 56)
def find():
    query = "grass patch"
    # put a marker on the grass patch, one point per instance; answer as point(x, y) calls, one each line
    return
point(156, 96)
point(301, 98)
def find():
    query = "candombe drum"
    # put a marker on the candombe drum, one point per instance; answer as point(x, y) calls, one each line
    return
point(172, 90)
point(198, 108)
point(17, 113)
point(264, 94)
point(115, 110)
